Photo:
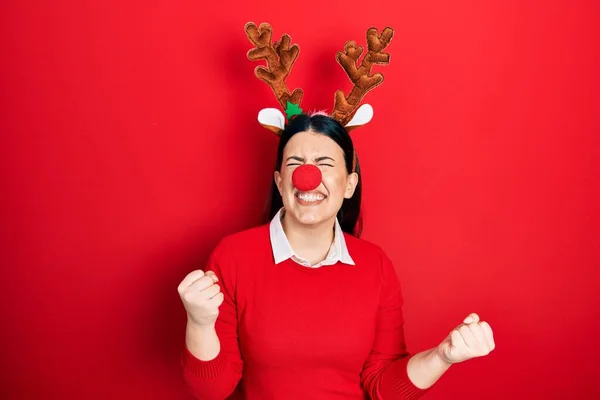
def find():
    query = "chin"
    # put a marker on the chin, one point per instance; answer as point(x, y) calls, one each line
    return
point(311, 215)
point(310, 218)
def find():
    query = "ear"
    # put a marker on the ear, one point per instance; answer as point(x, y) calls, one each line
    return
point(362, 116)
point(351, 185)
point(272, 119)
point(277, 179)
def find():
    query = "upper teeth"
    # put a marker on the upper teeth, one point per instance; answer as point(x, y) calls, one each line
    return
point(311, 197)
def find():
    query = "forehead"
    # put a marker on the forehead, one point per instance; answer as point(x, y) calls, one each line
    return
point(313, 144)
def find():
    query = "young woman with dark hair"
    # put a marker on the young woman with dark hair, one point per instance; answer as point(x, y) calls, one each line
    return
point(301, 307)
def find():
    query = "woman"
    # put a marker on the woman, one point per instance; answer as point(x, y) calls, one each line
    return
point(301, 307)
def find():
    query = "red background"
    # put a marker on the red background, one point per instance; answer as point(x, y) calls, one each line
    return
point(129, 146)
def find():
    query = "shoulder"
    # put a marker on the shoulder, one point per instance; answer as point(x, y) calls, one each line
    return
point(363, 248)
point(367, 253)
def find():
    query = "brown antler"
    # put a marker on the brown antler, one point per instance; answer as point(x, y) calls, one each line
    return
point(280, 57)
point(344, 107)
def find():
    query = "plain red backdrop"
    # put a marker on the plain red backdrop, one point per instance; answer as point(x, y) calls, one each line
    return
point(129, 147)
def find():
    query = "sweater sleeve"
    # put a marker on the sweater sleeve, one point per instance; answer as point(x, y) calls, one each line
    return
point(216, 379)
point(384, 375)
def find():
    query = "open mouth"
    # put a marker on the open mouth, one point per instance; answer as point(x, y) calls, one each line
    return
point(310, 198)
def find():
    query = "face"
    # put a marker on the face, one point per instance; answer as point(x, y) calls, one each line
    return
point(322, 204)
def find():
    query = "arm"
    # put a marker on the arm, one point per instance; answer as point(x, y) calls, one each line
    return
point(426, 367)
point(202, 341)
point(390, 372)
point(211, 360)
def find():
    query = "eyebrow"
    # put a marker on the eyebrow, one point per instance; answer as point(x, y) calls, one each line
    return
point(316, 159)
point(324, 158)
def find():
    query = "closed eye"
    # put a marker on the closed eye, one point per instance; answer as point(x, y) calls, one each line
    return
point(299, 161)
point(324, 158)
point(325, 165)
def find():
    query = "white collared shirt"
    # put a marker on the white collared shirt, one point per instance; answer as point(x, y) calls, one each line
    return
point(282, 250)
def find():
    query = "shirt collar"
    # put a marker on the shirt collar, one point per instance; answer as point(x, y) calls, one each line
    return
point(282, 250)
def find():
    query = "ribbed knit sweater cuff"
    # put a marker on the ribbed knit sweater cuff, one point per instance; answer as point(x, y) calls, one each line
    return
point(397, 385)
point(203, 369)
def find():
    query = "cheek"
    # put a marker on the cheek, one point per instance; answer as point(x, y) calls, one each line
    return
point(286, 180)
point(335, 184)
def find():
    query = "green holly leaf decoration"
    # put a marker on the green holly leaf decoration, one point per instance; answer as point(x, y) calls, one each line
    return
point(292, 109)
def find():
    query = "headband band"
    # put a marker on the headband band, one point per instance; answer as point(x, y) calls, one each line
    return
point(280, 57)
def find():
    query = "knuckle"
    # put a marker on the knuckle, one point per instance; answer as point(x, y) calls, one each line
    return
point(208, 279)
point(196, 274)
point(201, 279)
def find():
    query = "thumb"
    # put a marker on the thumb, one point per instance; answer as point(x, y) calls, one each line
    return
point(473, 317)
point(212, 275)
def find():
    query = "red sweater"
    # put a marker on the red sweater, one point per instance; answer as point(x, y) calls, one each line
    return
point(292, 332)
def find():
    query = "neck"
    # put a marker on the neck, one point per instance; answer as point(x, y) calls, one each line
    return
point(309, 241)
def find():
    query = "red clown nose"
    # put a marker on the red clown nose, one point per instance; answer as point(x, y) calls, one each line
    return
point(306, 177)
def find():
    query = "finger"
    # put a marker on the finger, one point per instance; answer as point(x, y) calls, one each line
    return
point(473, 317)
point(190, 278)
point(217, 300)
point(457, 341)
point(213, 276)
point(210, 292)
point(201, 284)
point(479, 335)
point(468, 337)
point(489, 335)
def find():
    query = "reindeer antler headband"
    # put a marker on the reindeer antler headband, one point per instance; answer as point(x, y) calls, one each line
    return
point(280, 57)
